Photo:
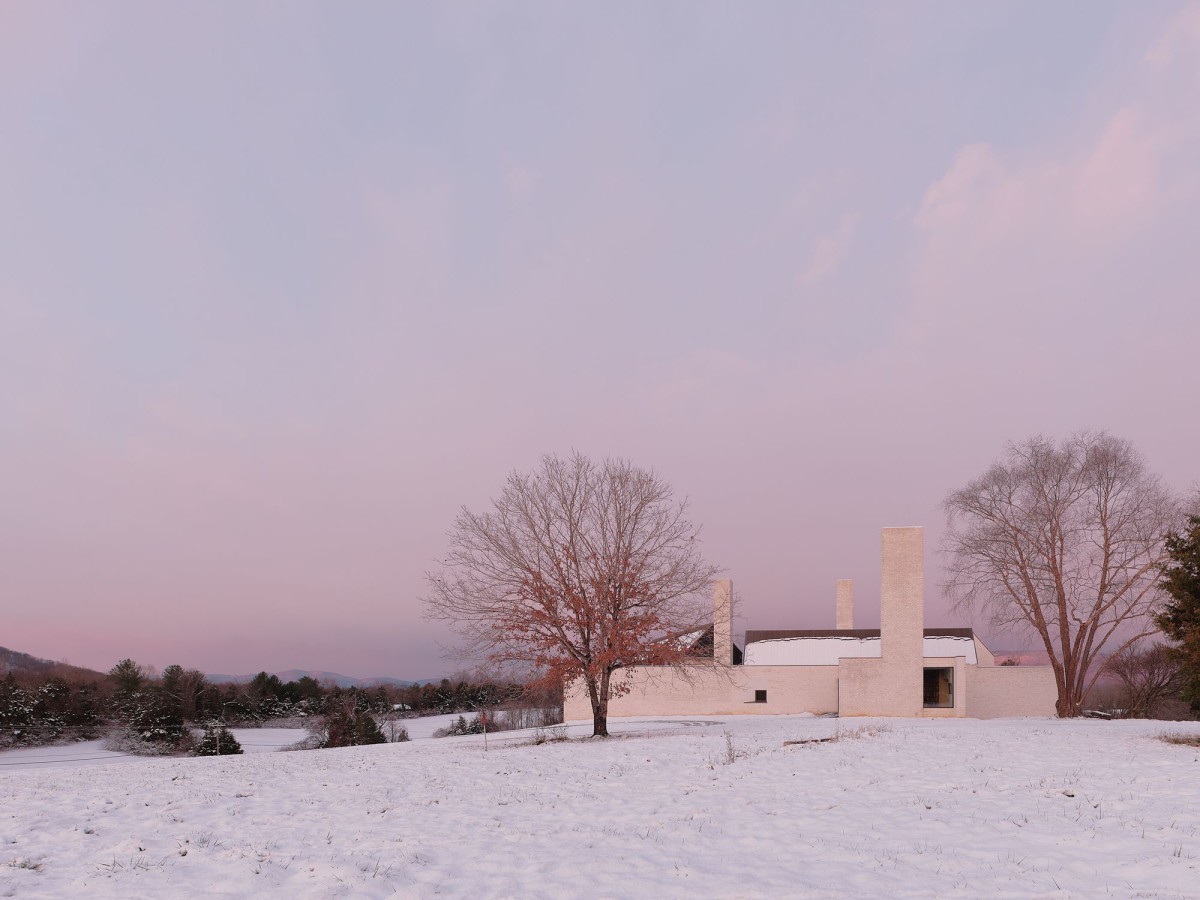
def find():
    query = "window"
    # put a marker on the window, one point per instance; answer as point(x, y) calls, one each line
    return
point(939, 688)
point(760, 696)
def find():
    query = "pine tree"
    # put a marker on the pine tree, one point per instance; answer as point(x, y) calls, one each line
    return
point(1180, 619)
point(366, 729)
point(346, 726)
point(217, 741)
point(128, 676)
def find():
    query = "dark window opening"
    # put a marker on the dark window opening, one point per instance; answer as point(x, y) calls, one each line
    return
point(760, 696)
point(939, 688)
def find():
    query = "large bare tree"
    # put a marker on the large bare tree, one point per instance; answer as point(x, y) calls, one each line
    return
point(1065, 539)
point(578, 569)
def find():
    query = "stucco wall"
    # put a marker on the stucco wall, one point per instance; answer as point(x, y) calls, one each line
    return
point(711, 690)
point(863, 687)
point(845, 603)
point(1010, 691)
point(873, 687)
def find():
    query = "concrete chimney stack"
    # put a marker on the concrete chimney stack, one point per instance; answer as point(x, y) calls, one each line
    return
point(902, 614)
point(723, 622)
point(845, 604)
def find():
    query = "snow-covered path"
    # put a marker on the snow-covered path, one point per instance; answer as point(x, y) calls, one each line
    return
point(1014, 808)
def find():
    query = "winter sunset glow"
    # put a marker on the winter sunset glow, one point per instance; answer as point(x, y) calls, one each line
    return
point(284, 287)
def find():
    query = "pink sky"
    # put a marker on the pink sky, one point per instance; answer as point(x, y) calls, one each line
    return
point(282, 287)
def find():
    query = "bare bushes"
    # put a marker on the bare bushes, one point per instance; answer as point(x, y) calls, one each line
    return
point(729, 753)
point(394, 731)
point(1149, 683)
point(519, 717)
point(514, 719)
point(125, 739)
point(555, 734)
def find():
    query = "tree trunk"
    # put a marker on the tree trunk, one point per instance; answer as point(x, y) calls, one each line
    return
point(598, 695)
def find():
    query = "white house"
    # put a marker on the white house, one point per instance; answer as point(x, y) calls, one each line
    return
point(900, 669)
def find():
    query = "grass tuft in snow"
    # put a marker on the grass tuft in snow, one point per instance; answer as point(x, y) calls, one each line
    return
point(25, 863)
point(859, 732)
point(1184, 740)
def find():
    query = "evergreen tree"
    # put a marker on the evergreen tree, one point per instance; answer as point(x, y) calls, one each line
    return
point(366, 729)
point(217, 741)
point(1180, 619)
point(128, 676)
point(346, 726)
point(16, 711)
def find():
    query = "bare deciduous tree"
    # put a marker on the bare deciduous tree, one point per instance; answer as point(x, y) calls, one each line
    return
point(1148, 677)
point(1067, 540)
point(579, 569)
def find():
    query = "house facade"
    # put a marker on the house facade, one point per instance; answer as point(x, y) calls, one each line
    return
point(900, 669)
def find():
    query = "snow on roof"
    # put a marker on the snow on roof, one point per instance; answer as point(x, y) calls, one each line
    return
point(826, 651)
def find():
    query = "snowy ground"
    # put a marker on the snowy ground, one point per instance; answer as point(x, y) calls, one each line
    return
point(1008, 808)
point(252, 740)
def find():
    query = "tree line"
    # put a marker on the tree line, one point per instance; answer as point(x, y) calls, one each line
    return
point(160, 710)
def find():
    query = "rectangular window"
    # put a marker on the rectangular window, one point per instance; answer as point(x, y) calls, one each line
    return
point(939, 688)
point(760, 696)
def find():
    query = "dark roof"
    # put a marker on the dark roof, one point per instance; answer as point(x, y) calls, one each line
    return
point(752, 636)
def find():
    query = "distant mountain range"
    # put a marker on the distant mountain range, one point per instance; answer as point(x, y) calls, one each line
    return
point(325, 678)
point(22, 663)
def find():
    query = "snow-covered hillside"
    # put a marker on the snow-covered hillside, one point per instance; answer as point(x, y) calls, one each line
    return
point(669, 808)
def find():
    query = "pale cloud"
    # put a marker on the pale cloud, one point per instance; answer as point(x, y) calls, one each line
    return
point(973, 175)
point(1118, 182)
point(1103, 186)
point(830, 251)
point(1043, 272)
point(1179, 39)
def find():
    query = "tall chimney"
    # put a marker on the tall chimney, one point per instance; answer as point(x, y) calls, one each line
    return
point(902, 613)
point(845, 604)
point(723, 622)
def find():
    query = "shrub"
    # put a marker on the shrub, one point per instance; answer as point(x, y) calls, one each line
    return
point(123, 739)
point(461, 726)
point(153, 714)
point(396, 733)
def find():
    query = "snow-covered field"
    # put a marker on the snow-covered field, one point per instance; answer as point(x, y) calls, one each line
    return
point(668, 808)
point(88, 753)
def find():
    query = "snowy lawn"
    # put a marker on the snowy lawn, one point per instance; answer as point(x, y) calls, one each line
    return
point(672, 808)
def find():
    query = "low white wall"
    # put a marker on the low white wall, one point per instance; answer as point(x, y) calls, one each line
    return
point(1002, 691)
point(716, 690)
point(858, 687)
